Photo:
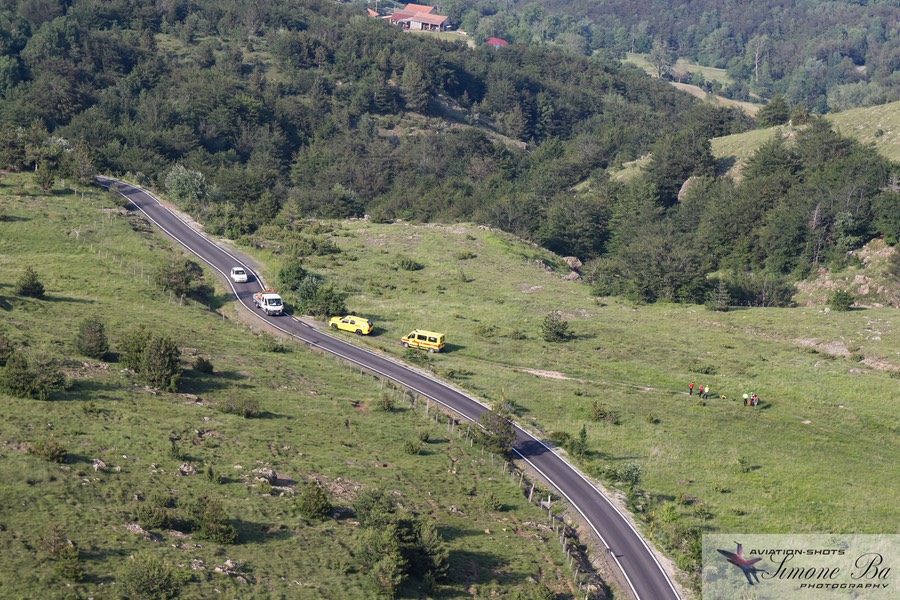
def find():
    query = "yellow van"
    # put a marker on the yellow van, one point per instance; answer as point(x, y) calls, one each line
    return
point(427, 340)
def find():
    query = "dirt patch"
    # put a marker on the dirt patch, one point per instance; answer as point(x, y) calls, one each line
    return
point(545, 374)
point(832, 348)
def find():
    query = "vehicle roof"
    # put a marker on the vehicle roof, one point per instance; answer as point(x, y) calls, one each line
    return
point(352, 317)
point(426, 332)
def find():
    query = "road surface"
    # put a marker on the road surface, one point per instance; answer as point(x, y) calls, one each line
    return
point(642, 571)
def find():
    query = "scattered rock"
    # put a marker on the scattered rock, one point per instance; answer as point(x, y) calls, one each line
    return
point(573, 276)
point(197, 564)
point(187, 469)
point(135, 528)
point(266, 474)
point(99, 465)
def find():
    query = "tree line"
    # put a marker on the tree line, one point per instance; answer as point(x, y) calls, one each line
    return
point(824, 56)
point(257, 120)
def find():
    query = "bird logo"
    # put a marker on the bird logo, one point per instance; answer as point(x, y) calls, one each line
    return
point(744, 564)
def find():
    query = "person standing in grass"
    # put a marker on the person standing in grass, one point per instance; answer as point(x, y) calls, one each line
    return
point(691, 388)
point(700, 391)
point(746, 398)
point(706, 393)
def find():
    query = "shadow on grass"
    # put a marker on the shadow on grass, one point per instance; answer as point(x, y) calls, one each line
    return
point(86, 389)
point(5, 304)
point(54, 299)
point(451, 348)
point(468, 568)
point(196, 382)
point(78, 459)
point(724, 164)
point(258, 533)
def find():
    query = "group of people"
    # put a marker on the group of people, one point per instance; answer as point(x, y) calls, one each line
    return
point(751, 399)
point(703, 391)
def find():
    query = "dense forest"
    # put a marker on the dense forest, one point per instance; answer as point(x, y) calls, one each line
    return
point(257, 117)
point(826, 56)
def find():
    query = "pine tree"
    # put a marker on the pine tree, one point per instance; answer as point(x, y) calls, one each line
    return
point(29, 285)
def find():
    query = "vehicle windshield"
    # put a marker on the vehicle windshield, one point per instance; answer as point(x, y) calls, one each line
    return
point(238, 272)
point(274, 301)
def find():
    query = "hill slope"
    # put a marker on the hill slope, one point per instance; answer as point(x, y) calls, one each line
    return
point(141, 461)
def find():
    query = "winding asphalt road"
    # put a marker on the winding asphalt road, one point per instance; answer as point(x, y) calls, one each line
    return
point(640, 567)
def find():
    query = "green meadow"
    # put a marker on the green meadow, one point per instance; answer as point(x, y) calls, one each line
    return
point(818, 455)
point(319, 421)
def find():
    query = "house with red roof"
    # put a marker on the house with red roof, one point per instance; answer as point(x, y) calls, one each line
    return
point(496, 42)
point(419, 17)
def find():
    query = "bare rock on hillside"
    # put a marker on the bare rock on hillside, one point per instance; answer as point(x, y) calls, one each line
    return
point(573, 263)
point(266, 474)
point(870, 282)
point(99, 465)
point(187, 469)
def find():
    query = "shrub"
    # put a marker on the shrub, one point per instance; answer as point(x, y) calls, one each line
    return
point(146, 577)
point(423, 436)
point(202, 365)
point(211, 522)
point(213, 476)
point(179, 276)
point(497, 433)
point(386, 402)
point(91, 338)
point(554, 328)
point(319, 300)
point(270, 343)
point(517, 334)
point(486, 330)
point(374, 508)
point(291, 274)
point(149, 516)
point(465, 255)
point(841, 301)
point(313, 502)
point(16, 378)
point(132, 347)
point(407, 264)
point(160, 363)
point(490, 502)
point(49, 450)
point(29, 285)
point(412, 447)
point(63, 552)
point(600, 412)
point(243, 406)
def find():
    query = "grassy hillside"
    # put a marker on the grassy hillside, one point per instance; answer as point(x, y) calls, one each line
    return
point(319, 422)
point(877, 125)
point(827, 422)
point(709, 73)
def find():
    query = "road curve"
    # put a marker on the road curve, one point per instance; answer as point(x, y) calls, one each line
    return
point(634, 557)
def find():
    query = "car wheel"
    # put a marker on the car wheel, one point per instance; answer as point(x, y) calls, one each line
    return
point(431, 351)
point(405, 345)
point(358, 332)
point(334, 325)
